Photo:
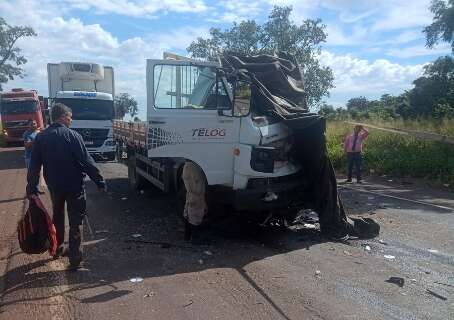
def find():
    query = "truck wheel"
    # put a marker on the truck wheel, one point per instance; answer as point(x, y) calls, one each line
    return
point(136, 181)
point(181, 197)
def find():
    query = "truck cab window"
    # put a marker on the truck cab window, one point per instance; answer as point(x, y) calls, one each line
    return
point(185, 87)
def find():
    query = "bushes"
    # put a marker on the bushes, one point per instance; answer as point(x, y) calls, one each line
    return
point(394, 154)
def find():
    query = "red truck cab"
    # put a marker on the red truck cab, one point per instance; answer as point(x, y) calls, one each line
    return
point(17, 107)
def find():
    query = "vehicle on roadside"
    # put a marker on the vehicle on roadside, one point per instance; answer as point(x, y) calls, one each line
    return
point(89, 90)
point(17, 107)
point(260, 152)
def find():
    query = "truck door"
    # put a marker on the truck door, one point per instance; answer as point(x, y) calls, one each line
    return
point(183, 99)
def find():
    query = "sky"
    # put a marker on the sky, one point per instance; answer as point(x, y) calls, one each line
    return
point(373, 46)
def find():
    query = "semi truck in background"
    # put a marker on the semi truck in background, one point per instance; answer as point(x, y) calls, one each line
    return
point(17, 107)
point(89, 90)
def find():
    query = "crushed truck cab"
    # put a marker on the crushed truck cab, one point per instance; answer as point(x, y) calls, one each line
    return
point(245, 124)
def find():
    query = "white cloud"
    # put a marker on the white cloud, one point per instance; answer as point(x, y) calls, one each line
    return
point(417, 51)
point(337, 37)
point(141, 8)
point(355, 76)
point(70, 39)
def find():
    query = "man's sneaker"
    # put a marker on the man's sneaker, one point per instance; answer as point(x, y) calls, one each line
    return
point(74, 263)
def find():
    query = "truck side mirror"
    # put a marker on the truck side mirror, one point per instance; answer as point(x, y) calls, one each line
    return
point(241, 98)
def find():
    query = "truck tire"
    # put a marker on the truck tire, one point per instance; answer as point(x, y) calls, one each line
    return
point(136, 181)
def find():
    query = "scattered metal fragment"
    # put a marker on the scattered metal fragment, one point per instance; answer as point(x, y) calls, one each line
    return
point(136, 279)
point(389, 257)
point(444, 284)
point(439, 296)
point(396, 280)
point(188, 304)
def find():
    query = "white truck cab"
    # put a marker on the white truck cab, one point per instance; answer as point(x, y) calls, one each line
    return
point(88, 89)
point(192, 114)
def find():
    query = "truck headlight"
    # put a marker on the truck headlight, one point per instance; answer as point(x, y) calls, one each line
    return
point(262, 159)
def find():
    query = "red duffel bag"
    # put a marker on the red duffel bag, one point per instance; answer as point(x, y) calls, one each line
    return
point(36, 232)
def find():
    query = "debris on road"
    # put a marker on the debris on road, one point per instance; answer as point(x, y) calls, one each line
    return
point(136, 279)
point(439, 296)
point(366, 247)
point(444, 284)
point(433, 250)
point(307, 215)
point(318, 273)
point(124, 198)
point(149, 295)
point(188, 304)
point(208, 253)
point(383, 242)
point(389, 257)
point(396, 280)
point(136, 235)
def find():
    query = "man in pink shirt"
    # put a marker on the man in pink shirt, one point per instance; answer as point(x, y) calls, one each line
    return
point(353, 146)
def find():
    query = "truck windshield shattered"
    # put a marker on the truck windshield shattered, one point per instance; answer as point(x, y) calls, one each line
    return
point(90, 109)
point(18, 107)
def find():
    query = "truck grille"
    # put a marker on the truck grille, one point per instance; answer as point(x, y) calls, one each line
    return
point(16, 124)
point(93, 138)
point(16, 133)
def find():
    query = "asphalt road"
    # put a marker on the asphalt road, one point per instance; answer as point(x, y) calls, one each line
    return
point(246, 272)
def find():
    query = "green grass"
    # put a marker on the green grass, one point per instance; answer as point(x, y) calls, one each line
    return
point(398, 155)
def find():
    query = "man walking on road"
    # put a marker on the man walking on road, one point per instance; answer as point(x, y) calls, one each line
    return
point(65, 162)
point(353, 146)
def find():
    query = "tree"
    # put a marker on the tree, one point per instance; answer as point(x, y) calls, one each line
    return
point(279, 33)
point(327, 111)
point(442, 27)
point(435, 87)
point(10, 56)
point(124, 104)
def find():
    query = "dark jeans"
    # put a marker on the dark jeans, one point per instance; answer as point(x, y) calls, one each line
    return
point(354, 159)
point(76, 206)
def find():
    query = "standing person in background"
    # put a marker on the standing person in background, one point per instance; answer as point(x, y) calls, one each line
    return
point(353, 147)
point(65, 160)
point(29, 137)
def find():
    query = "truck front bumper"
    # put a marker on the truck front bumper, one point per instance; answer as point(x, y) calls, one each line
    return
point(286, 193)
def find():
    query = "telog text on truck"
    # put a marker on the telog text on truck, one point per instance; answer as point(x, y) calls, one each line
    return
point(88, 89)
point(245, 123)
point(17, 107)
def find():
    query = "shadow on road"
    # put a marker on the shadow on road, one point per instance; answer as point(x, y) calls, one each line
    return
point(111, 257)
point(11, 158)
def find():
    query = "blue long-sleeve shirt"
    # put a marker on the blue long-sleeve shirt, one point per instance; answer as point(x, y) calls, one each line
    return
point(65, 160)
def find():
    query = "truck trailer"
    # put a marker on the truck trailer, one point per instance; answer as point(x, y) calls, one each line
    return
point(244, 122)
point(89, 90)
